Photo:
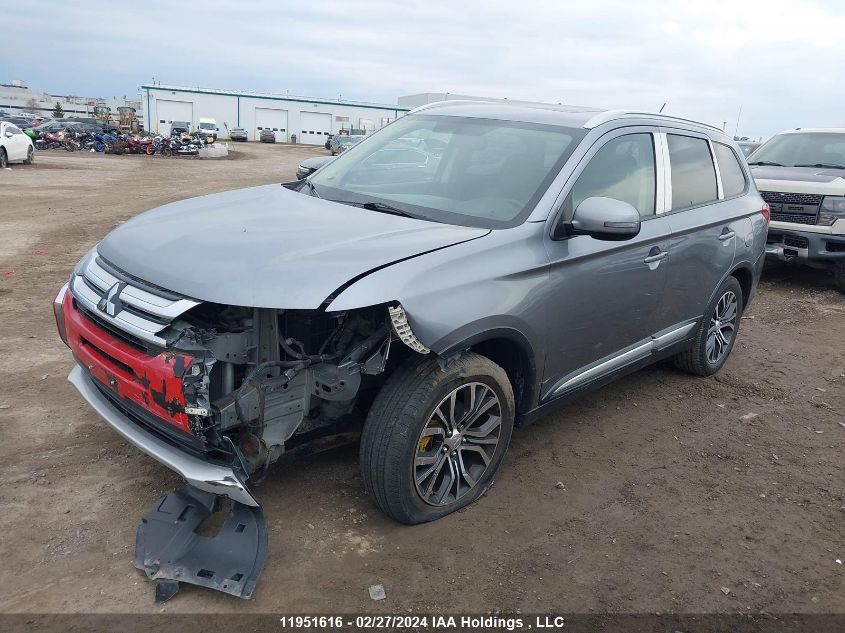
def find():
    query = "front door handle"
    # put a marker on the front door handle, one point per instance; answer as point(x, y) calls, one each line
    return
point(726, 235)
point(656, 256)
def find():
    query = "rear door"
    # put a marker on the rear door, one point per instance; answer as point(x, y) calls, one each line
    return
point(705, 225)
point(607, 295)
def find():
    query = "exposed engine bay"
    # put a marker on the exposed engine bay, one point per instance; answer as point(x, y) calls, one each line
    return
point(263, 381)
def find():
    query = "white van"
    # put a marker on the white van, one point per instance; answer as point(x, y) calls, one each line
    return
point(208, 127)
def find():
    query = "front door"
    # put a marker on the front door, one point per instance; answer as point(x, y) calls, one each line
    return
point(607, 294)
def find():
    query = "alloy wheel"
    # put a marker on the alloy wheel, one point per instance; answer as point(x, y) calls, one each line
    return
point(722, 327)
point(457, 444)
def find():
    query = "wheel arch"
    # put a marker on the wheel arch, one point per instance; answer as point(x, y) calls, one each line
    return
point(512, 351)
point(745, 276)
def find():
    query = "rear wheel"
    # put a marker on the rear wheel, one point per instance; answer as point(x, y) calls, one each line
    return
point(717, 332)
point(4, 158)
point(434, 439)
point(30, 156)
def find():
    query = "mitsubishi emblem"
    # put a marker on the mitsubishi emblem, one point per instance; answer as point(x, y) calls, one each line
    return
point(110, 300)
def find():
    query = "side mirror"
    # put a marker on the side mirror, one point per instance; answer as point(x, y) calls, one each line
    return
point(605, 219)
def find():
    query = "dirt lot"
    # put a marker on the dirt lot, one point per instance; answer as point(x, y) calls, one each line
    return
point(673, 487)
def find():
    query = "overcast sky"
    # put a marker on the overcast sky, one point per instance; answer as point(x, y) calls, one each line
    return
point(781, 61)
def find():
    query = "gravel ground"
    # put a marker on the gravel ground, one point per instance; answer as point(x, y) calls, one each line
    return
point(676, 494)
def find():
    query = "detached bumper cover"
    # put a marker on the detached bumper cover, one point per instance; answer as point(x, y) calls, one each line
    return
point(206, 476)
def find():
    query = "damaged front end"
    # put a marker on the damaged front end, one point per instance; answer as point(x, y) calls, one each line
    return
point(218, 393)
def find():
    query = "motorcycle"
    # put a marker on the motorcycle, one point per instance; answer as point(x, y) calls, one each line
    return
point(161, 146)
point(184, 145)
point(137, 145)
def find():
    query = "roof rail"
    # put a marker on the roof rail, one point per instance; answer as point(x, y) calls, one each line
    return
point(611, 115)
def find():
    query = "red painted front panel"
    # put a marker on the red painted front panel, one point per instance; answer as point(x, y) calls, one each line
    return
point(152, 382)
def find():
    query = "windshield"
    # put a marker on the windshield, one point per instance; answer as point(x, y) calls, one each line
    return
point(458, 170)
point(826, 149)
point(349, 140)
point(207, 126)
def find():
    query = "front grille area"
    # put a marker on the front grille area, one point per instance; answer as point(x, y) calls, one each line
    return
point(796, 218)
point(135, 309)
point(785, 197)
point(796, 241)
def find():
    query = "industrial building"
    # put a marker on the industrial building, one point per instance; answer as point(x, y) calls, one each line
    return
point(17, 98)
point(311, 120)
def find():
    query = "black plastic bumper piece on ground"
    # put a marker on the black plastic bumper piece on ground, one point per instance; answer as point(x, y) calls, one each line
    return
point(170, 551)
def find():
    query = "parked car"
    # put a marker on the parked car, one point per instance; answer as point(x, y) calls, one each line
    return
point(310, 165)
point(431, 309)
point(748, 146)
point(801, 174)
point(14, 145)
point(179, 127)
point(20, 122)
point(339, 144)
point(238, 134)
point(267, 136)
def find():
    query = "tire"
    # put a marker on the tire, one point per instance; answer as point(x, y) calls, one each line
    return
point(4, 158)
point(701, 359)
point(839, 275)
point(30, 156)
point(393, 458)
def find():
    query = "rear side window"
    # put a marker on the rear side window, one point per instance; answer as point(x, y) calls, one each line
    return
point(733, 178)
point(622, 169)
point(693, 173)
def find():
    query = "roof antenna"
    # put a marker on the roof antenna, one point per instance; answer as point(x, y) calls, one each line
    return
point(660, 111)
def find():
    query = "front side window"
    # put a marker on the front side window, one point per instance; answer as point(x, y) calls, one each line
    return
point(693, 173)
point(622, 169)
point(733, 178)
point(461, 170)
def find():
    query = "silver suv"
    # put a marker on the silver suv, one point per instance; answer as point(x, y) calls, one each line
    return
point(429, 304)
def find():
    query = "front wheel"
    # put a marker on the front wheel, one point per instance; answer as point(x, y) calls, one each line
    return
point(30, 156)
point(434, 438)
point(717, 332)
point(4, 158)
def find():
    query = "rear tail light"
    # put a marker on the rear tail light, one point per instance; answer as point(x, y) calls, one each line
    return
point(59, 314)
point(767, 212)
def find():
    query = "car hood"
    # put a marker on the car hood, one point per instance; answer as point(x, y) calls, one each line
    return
point(799, 179)
point(268, 246)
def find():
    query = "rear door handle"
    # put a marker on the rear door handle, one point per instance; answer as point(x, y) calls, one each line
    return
point(656, 257)
point(726, 235)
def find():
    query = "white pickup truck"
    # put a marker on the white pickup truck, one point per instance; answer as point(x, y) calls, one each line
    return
point(801, 174)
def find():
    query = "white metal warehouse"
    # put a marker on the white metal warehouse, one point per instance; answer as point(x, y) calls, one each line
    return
point(310, 119)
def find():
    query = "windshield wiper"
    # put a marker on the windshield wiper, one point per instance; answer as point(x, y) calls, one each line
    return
point(824, 165)
point(381, 207)
point(311, 187)
point(767, 163)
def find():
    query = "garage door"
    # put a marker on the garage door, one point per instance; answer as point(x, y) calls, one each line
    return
point(316, 127)
point(169, 111)
point(272, 119)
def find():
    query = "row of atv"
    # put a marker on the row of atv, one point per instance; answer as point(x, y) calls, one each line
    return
point(70, 140)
